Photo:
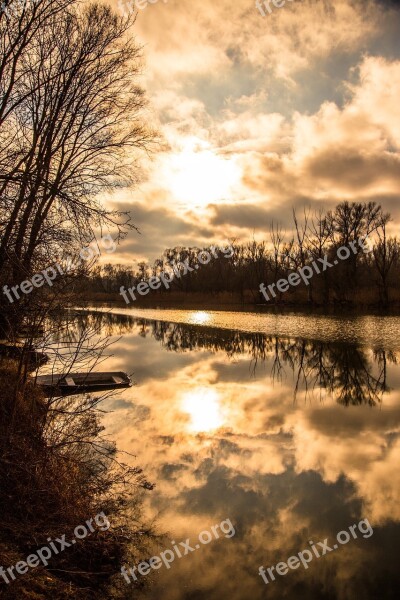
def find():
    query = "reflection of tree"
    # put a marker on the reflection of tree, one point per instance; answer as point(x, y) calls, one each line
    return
point(345, 371)
point(349, 373)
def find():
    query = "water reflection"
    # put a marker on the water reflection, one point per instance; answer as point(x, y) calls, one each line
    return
point(199, 317)
point(203, 407)
point(350, 373)
point(293, 439)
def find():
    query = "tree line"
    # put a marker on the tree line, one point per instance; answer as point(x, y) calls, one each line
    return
point(366, 277)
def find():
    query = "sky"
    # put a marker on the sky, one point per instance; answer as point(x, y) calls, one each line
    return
point(262, 114)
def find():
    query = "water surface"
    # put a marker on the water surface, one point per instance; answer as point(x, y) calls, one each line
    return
point(286, 425)
point(373, 330)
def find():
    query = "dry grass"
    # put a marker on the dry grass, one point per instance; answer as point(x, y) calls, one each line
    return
point(46, 490)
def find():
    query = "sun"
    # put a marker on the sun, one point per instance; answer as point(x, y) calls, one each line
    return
point(198, 176)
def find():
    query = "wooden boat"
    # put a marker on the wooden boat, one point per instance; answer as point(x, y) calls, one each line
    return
point(76, 383)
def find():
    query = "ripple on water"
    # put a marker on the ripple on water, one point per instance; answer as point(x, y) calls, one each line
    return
point(374, 331)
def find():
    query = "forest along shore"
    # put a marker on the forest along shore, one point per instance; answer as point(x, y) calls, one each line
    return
point(354, 261)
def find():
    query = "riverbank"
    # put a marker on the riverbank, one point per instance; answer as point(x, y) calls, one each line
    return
point(54, 480)
point(248, 301)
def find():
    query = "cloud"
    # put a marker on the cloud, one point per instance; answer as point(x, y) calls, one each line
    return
point(159, 228)
point(355, 170)
point(259, 115)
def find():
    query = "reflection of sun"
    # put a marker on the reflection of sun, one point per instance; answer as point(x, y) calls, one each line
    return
point(202, 405)
point(199, 318)
point(199, 176)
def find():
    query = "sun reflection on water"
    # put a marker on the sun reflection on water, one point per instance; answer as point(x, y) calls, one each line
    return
point(203, 407)
point(200, 317)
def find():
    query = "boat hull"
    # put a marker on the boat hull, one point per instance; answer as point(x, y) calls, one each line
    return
point(77, 383)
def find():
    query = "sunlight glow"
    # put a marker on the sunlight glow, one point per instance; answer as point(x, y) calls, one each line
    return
point(199, 318)
point(198, 176)
point(202, 404)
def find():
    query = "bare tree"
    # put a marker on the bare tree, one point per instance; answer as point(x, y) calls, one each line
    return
point(276, 237)
point(318, 237)
point(385, 254)
point(72, 131)
point(303, 254)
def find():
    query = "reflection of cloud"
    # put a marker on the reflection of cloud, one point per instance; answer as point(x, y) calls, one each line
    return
point(283, 472)
point(261, 432)
point(366, 453)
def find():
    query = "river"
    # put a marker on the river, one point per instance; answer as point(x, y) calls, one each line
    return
point(285, 426)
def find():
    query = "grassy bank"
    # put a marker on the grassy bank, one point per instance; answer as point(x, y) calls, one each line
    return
point(54, 477)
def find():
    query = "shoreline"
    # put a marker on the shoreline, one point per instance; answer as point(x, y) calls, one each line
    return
point(372, 331)
point(254, 308)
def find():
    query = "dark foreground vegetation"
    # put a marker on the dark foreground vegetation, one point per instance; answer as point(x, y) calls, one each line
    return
point(56, 472)
point(370, 278)
point(70, 127)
